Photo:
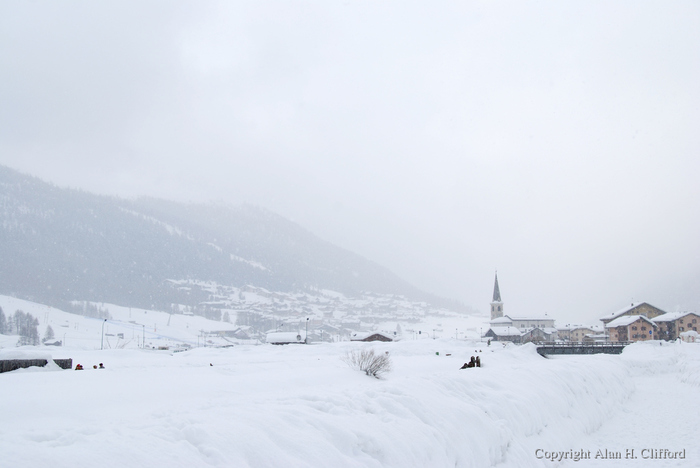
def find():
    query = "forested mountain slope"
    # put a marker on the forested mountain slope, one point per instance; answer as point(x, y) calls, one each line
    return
point(58, 245)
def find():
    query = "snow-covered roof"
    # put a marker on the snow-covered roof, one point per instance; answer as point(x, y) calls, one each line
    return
point(626, 320)
point(286, 337)
point(531, 319)
point(359, 336)
point(24, 352)
point(670, 317)
point(624, 310)
point(505, 331)
point(52, 343)
point(504, 319)
point(621, 311)
point(581, 327)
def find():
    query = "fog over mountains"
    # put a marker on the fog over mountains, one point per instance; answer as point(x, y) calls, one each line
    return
point(59, 245)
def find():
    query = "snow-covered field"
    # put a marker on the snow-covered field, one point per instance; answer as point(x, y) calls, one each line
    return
point(296, 405)
point(132, 328)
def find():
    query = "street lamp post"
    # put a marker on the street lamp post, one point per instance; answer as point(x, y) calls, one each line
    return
point(102, 343)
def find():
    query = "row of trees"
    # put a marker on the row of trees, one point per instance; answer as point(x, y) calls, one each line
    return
point(86, 309)
point(23, 324)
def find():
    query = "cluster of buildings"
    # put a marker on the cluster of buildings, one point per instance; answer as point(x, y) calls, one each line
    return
point(642, 321)
point(284, 318)
point(637, 322)
point(253, 314)
point(518, 329)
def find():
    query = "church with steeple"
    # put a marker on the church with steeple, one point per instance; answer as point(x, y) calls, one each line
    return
point(517, 329)
point(496, 303)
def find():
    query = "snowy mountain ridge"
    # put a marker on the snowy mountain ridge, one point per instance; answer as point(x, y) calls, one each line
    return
point(61, 245)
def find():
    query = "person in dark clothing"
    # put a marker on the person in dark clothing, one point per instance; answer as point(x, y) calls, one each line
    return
point(473, 362)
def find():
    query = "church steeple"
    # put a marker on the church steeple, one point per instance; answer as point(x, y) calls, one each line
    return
point(496, 291)
point(497, 303)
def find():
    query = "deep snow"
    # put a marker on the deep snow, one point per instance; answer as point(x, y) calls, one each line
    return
point(301, 405)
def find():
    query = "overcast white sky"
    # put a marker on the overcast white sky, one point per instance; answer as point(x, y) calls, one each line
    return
point(558, 142)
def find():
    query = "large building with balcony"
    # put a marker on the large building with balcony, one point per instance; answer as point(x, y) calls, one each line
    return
point(672, 325)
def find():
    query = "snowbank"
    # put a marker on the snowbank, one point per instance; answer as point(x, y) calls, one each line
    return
point(24, 352)
point(302, 406)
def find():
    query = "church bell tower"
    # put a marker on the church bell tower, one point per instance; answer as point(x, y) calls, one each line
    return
point(496, 303)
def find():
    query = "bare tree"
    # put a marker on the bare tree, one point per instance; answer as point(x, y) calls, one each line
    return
point(27, 328)
point(368, 361)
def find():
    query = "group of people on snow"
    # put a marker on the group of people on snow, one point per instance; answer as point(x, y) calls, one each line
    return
point(474, 362)
point(80, 367)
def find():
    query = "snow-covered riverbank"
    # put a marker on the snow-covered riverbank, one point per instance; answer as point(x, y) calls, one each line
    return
point(302, 406)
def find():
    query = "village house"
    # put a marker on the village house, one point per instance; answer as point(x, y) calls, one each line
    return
point(577, 333)
point(631, 328)
point(539, 335)
point(564, 333)
point(511, 334)
point(673, 324)
point(635, 308)
point(373, 336)
point(595, 338)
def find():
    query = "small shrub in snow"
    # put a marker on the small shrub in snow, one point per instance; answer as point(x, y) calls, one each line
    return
point(368, 361)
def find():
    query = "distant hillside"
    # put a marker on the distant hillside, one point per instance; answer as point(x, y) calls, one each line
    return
point(58, 245)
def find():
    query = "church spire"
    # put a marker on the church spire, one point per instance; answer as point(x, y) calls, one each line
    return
point(497, 303)
point(496, 291)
